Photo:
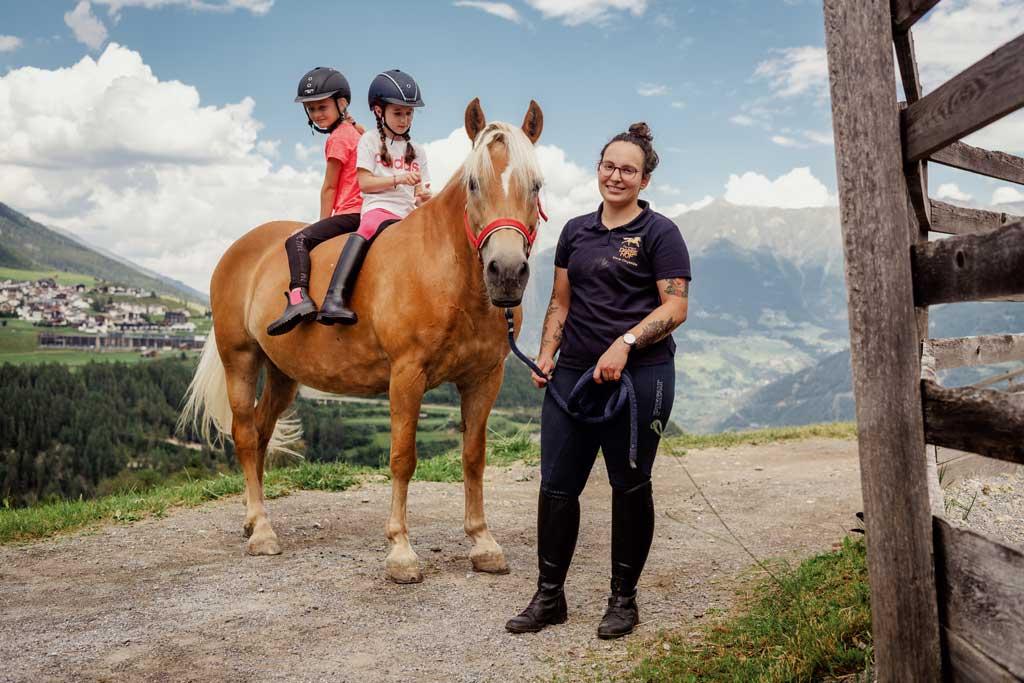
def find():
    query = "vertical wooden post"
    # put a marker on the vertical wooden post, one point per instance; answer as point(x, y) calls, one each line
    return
point(884, 339)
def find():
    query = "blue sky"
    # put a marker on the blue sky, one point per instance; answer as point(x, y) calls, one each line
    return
point(734, 90)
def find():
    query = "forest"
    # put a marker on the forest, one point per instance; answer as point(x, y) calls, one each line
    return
point(101, 428)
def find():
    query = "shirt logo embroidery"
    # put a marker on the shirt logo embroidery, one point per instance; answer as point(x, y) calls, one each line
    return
point(629, 248)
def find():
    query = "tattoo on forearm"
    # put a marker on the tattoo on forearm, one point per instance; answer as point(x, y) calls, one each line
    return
point(654, 331)
point(678, 286)
point(549, 335)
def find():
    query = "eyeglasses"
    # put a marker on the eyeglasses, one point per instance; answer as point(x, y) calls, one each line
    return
point(607, 168)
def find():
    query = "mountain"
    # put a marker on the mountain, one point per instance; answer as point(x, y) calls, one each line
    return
point(25, 244)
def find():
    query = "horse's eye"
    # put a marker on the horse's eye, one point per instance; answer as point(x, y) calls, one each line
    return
point(472, 185)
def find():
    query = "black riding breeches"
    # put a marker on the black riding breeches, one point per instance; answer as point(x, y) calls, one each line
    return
point(568, 447)
point(304, 241)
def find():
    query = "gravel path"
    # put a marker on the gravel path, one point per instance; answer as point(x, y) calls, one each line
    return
point(992, 505)
point(176, 598)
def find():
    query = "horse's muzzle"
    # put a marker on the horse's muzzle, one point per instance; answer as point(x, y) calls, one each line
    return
point(505, 279)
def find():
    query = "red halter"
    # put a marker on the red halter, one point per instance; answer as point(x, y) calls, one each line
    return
point(503, 224)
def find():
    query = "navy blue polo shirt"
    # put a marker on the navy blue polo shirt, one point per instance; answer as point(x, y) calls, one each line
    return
point(613, 277)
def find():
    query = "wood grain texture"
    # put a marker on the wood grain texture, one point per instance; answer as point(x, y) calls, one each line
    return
point(982, 421)
point(906, 12)
point(965, 663)
point(905, 57)
point(957, 220)
point(958, 352)
point(984, 92)
point(970, 267)
point(977, 160)
point(884, 339)
point(981, 595)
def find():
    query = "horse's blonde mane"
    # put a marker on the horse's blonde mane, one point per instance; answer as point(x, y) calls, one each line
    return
point(521, 157)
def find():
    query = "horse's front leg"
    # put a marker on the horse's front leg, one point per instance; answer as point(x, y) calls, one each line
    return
point(477, 400)
point(408, 382)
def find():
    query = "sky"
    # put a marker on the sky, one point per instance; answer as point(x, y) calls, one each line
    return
point(162, 130)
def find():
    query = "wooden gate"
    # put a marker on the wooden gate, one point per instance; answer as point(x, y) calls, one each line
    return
point(947, 604)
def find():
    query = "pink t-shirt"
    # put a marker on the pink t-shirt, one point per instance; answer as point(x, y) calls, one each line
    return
point(341, 145)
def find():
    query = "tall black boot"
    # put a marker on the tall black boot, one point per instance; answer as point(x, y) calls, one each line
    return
point(300, 307)
point(335, 310)
point(632, 533)
point(558, 524)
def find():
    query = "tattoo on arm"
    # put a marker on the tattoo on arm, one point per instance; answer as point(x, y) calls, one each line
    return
point(552, 336)
point(654, 331)
point(678, 286)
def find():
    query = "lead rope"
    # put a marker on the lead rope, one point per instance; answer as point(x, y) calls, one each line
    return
point(625, 394)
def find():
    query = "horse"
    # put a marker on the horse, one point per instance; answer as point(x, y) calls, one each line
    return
point(430, 301)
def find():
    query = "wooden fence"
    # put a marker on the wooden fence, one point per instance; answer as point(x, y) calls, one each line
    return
point(947, 604)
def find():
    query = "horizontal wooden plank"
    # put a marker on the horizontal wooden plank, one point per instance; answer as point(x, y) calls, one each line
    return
point(998, 165)
point(981, 593)
point(958, 220)
point(958, 352)
point(965, 663)
point(969, 267)
point(906, 12)
point(984, 92)
point(981, 421)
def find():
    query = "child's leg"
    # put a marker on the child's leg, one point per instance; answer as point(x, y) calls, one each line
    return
point(370, 223)
point(304, 241)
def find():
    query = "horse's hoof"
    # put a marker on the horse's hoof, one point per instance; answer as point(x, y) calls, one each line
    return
point(404, 572)
point(490, 560)
point(263, 545)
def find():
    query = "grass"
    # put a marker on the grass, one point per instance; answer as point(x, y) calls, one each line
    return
point(835, 430)
point(61, 278)
point(70, 357)
point(41, 521)
point(815, 624)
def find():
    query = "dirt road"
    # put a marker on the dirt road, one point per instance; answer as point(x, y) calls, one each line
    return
point(176, 599)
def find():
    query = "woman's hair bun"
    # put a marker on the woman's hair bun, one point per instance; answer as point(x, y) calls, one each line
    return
point(641, 130)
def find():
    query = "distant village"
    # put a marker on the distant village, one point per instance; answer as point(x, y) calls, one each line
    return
point(105, 315)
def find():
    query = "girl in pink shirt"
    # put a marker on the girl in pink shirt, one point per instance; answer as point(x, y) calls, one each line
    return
point(325, 95)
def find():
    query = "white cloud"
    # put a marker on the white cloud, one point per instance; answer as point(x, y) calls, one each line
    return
point(952, 191)
point(306, 153)
point(679, 104)
point(674, 210)
point(651, 89)
point(87, 28)
point(498, 9)
point(784, 141)
point(578, 12)
point(9, 43)
point(1005, 195)
point(742, 120)
point(269, 148)
point(114, 7)
point(795, 71)
point(794, 190)
point(822, 137)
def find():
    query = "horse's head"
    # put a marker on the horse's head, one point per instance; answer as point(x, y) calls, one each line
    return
point(502, 182)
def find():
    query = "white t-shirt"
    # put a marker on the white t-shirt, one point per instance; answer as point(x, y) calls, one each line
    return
point(399, 200)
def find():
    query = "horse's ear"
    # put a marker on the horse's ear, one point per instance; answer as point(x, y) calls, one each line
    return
point(475, 120)
point(533, 122)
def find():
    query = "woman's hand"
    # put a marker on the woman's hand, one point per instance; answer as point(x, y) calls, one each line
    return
point(410, 178)
point(610, 364)
point(547, 364)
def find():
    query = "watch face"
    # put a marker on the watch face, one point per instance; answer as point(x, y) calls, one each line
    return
point(629, 338)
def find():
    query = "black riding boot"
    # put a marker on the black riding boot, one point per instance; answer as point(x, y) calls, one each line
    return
point(632, 533)
point(558, 523)
point(300, 307)
point(334, 309)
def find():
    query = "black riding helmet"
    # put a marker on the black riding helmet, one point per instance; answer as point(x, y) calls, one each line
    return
point(319, 84)
point(394, 87)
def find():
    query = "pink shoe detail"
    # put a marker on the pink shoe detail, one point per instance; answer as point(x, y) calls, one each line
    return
point(295, 296)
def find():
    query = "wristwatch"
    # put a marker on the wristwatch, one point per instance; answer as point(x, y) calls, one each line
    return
point(629, 339)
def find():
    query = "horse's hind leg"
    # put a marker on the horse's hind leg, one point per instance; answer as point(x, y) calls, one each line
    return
point(278, 393)
point(408, 382)
point(477, 400)
point(241, 367)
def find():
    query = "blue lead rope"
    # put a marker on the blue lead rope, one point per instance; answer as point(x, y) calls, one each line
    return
point(625, 393)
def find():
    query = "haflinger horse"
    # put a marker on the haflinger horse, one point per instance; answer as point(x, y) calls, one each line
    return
point(430, 301)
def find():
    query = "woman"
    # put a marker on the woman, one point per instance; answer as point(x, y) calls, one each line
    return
point(622, 279)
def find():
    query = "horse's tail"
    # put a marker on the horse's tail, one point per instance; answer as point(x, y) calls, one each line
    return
point(208, 412)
